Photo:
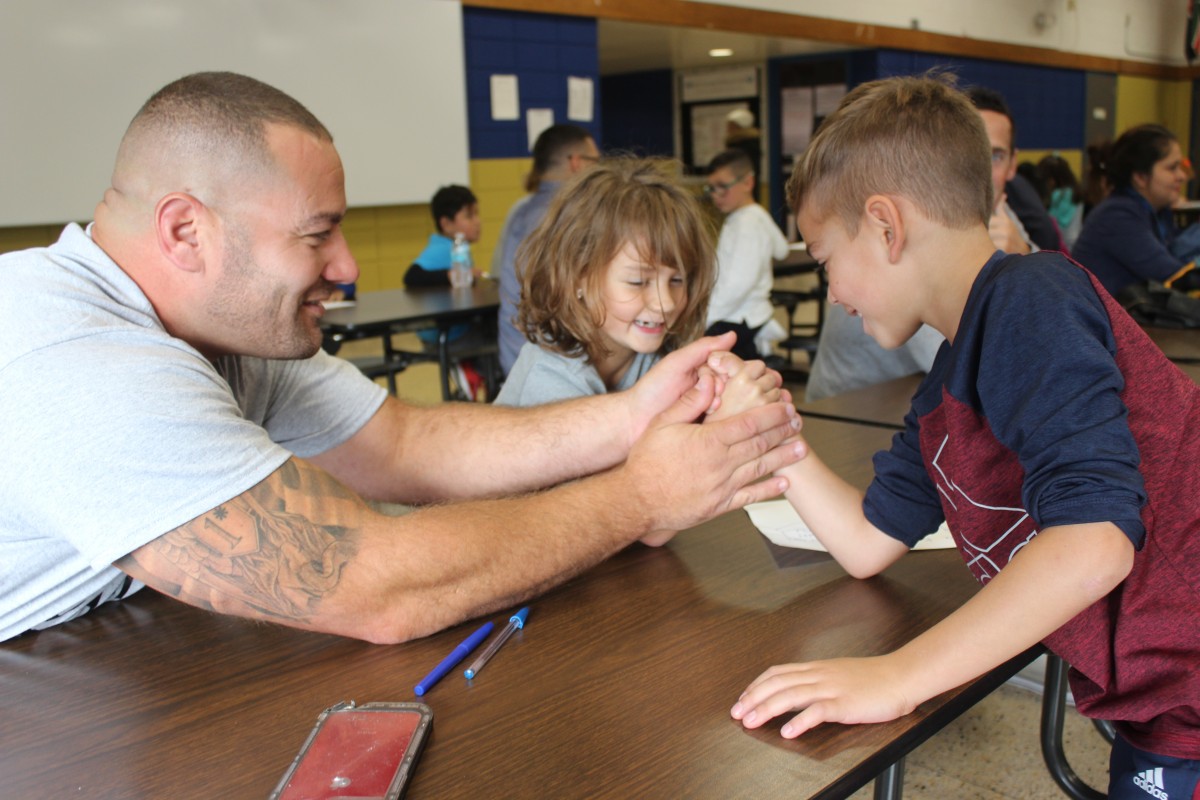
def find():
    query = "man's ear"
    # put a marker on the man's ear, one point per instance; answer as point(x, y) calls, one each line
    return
point(178, 218)
point(884, 218)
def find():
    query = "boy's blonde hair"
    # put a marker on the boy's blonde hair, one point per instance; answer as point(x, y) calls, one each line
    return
point(913, 136)
point(620, 201)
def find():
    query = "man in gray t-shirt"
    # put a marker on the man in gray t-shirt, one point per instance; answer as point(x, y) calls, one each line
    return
point(172, 422)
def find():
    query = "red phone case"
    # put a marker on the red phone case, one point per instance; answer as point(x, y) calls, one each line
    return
point(366, 751)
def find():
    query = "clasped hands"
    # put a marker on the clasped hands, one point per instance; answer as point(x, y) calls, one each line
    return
point(687, 473)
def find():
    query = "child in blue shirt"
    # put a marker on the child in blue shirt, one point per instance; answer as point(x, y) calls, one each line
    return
point(455, 211)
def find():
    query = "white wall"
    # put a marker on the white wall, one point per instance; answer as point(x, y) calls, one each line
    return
point(385, 76)
point(1136, 30)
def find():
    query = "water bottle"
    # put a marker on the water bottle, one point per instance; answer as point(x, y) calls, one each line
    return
point(460, 262)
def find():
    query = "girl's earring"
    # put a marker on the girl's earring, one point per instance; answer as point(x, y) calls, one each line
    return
point(579, 294)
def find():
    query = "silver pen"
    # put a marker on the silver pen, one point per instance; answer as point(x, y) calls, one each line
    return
point(515, 622)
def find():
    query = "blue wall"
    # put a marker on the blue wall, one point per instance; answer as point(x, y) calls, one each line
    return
point(1048, 104)
point(542, 50)
point(638, 113)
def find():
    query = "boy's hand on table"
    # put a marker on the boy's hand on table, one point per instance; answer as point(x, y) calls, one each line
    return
point(746, 384)
point(845, 690)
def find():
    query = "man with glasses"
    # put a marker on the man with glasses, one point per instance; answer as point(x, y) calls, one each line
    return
point(1006, 225)
point(750, 239)
point(560, 152)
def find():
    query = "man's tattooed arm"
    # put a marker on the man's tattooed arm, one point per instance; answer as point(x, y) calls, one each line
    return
point(274, 552)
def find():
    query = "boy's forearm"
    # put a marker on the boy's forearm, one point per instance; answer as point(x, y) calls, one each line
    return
point(832, 509)
point(1061, 572)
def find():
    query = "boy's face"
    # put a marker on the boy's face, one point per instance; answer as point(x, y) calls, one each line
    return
point(1004, 157)
point(467, 222)
point(861, 278)
point(730, 190)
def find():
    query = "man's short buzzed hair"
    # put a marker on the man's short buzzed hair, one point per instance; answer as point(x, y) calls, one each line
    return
point(916, 137)
point(218, 115)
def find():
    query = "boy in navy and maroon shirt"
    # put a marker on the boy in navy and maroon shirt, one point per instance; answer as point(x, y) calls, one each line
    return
point(1059, 444)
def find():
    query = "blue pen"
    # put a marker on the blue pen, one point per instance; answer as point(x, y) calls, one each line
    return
point(515, 623)
point(450, 661)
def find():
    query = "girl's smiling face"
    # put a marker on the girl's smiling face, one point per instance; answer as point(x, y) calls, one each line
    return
point(641, 304)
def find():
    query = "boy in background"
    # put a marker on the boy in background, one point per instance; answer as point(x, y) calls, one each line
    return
point(455, 210)
point(1055, 439)
point(741, 298)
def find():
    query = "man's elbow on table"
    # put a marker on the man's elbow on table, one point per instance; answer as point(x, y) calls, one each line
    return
point(352, 612)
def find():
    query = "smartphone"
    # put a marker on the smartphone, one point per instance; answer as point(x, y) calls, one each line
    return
point(367, 751)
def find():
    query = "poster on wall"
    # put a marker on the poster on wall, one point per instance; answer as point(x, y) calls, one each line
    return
point(580, 93)
point(718, 84)
point(802, 110)
point(827, 99)
point(796, 113)
point(708, 130)
point(536, 121)
point(505, 102)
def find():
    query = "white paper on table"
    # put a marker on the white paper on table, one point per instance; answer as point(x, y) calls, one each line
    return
point(331, 304)
point(779, 522)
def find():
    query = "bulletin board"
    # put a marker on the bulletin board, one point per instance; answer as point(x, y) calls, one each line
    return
point(385, 76)
point(706, 97)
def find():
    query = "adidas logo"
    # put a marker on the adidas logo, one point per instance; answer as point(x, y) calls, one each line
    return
point(1150, 782)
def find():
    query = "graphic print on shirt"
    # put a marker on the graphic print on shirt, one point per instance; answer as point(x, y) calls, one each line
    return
point(984, 555)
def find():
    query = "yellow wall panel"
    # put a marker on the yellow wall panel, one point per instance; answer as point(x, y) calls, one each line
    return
point(384, 241)
point(1072, 157)
point(498, 183)
point(1143, 100)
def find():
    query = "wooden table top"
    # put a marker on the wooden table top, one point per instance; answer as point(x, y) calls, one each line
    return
point(619, 686)
point(373, 310)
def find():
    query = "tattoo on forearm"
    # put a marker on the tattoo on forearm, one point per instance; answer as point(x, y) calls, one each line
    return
point(279, 562)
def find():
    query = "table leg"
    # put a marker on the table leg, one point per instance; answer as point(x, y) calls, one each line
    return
point(889, 785)
point(444, 359)
point(389, 359)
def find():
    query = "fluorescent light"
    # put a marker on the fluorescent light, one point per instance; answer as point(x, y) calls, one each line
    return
point(720, 52)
